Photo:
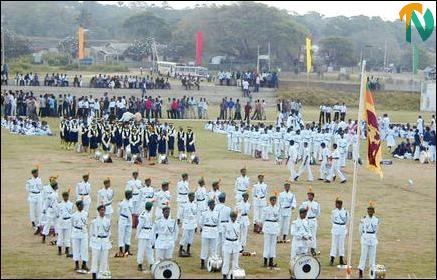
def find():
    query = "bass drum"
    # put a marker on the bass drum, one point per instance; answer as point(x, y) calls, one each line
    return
point(166, 269)
point(378, 272)
point(214, 264)
point(424, 157)
point(304, 267)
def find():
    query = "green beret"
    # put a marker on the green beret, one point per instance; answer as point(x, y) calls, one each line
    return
point(273, 197)
point(211, 201)
point(215, 183)
point(191, 194)
point(184, 174)
point(303, 210)
point(149, 205)
point(165, 183)
point(34, 170)
point(233, 214)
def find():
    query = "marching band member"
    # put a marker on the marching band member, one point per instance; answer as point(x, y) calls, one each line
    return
point(324, 163)
point(270, 215)
point(83, 191)
point(339, 220)
point(241, 185)
point(305, 166)
point(34, 188)
point(300, 230)
point(163, 198)
point(100, 232)
point(287, 202)
point(232, 245)
point(336, 167)
point(209, 224)
point(79, 236)
point(201, 200)
point(166, 230)
point(223, 214)
point(105, 196)
point(49, 207)
point(147, 194)
point(145, 236)
point(313, 212)
point(183, 188)
point(243, 208)
point(125, 210)
point(134, 185)
point(368, 229)
point(64, 212)
point(259, 196)
point(189, 224)
point(292, 160)
point(215, 192)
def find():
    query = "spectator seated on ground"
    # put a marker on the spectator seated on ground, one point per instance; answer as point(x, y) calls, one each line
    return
point(403, 151)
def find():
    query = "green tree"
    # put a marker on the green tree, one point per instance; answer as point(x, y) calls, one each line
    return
point(148, 25)
point(337, 51)
point(15, 45)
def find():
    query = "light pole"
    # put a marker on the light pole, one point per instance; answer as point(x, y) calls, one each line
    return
point(363, 49)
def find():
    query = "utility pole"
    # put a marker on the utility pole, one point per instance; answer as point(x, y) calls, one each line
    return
point(3, 41)
point(257, 61)
point(385, 55)
point(269, 56)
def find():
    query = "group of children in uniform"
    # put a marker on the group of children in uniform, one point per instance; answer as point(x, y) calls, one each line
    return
point(132, 140)
point(223, 229)
point(26, 126)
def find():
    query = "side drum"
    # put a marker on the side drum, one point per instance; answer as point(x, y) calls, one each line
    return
point(304, 267)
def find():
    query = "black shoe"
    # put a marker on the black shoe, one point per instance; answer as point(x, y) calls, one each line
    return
point(140, 267)
point(327, 181)
point(76, 265)
point(320, 179)
point(313, 252)
point(333, 178)
point(297, 177)
point(84, 267)
point(342, 182)
point(202, 264)
point(94, 275)
point(224, 276)
point(331, 262)
point(342, 261)
point(265, 262)
point(360, 274)
point(59, 251)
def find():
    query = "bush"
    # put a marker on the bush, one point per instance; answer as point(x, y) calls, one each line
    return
point(104, 68)
point(54, 59)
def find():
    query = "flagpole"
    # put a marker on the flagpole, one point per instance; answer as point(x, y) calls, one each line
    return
point(257, 61)
point(355, 175)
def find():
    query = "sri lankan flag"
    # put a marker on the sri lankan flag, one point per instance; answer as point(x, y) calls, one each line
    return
point(373, 135)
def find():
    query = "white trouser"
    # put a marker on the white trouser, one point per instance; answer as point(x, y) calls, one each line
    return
point(164, 254)
point(124, 233)
point(343, 159)
point(246, 147)
point(337, 244)
point(354, 152)
point(180, 210)
point(99, 257)
point(269, 245)
point(209, 247)
point(64, 238)
point(277, 148)
point(80, 249)
point(291, 168)
point(50, 222)
point(324, 171)
point(227, 266)
point(257, 210)
point(187, 237)
point(285, 144)
point(313, 228)
point(35, 211)
point(371, 252)
point(335, 169)
point(219, 244)
point(416, 152)
point(136, 206)
point(145, 245)
point(229, 142)
point(86, 203)
point(236, 146)
point(243, 234)
point(432, 153)
point(284, 225)
point(265, 151)
point(306, 167)
point(298, 247)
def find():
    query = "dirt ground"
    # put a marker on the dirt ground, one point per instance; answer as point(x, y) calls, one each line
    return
point(407, 213)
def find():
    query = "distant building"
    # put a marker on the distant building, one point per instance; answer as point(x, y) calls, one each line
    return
point(111, 52)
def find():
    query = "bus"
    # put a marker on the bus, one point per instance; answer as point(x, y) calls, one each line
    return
point(193, 71)
point(166, 68)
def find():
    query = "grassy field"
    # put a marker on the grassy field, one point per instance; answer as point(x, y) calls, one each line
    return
point(407, 214)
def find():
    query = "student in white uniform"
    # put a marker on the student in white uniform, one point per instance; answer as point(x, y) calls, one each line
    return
point(145, 236)
point(325, 162)
point(34, 189)
point(166, 230)
point(336, 167)
point(64, 213)
point(260, 201)
point(232, 245)
point(83, 192)
point(49, 208)
point(201, 200)
point(105, 196)
point(243, 208)
point(134, 185)
point(147, 193)
point(241, 185)
point(100, 234)
point(270, 216)
point(209, 224)
point(368, 229)
point(300, 230)
point(183, 189)
point(287, 203)
point(223, 214)
point(292, 160)
point(313, 213)
point(189, 224)
point(305, 166)
point(79, 236)
point(163, 198)
point(125, 209)
point(339, 220)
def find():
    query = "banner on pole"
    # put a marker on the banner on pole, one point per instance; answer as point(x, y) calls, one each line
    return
point(309, 58)
point(81, 39)
point(199, 47)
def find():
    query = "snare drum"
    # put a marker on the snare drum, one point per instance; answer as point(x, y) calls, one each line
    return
point(166, 269)
point(214, 264)
point(238, 273)
point(304, 267)
point(378, 272)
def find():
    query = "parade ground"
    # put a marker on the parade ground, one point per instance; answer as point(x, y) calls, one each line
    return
point(406, 211)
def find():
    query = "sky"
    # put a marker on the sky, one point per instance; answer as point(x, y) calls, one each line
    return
point(387, 10)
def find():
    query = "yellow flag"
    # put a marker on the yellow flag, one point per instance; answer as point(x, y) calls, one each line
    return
point(309, 59)
point(81, 39)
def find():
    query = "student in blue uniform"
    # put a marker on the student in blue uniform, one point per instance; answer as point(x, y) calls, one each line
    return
point(162, 143)
point(84, 138)
point(181, 141)
point(153, 142)
point(171, 138)
point(191, 148)
point(92, 135)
